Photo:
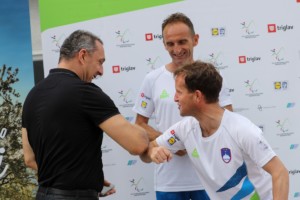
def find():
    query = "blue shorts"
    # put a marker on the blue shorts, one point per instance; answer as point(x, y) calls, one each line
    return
point(190, 195)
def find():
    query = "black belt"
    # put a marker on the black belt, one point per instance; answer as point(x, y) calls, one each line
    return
point(75, 193)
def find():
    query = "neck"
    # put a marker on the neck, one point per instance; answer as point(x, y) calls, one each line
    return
point(173, 66)
point(72, 67)
point(210, 119)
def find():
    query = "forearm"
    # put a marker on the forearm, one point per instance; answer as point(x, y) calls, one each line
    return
point(281, 185)
point(152, 133)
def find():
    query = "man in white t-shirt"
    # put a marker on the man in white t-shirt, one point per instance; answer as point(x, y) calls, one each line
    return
point(228, 151)
point(156, 98)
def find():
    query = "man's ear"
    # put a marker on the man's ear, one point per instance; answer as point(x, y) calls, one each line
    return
point(81, 55)
point(198, 95)
point(196, 39)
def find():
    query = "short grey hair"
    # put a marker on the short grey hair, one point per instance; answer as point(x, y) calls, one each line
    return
point(78, 40)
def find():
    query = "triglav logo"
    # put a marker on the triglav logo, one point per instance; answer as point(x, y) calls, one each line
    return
point(153, 63)
point(151, 37)
point(248, 28)
point(282, 126)
point(123, 38)
point(277, 54)
point(216, 61)
point(117, 69)
point(221, 31)
point(280, 85)
point(126, 97)
point(273, 28)
point(252, 91)
point(295, 171)
point(57, 41)
point(245, 59)
point(138, 186)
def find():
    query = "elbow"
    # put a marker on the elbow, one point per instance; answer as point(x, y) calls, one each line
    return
point(30, 163)
point(139, 149)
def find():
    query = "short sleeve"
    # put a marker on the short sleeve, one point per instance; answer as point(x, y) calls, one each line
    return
point(97, 105)
point(144, 104)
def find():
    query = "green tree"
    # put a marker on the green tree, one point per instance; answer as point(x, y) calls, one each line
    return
point(17, 182)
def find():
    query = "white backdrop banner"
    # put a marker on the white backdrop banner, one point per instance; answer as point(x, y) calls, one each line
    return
point(255, 44)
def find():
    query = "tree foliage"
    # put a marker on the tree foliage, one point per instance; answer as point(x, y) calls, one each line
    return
point(18, 182)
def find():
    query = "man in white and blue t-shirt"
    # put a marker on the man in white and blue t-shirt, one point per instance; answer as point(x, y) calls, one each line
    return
point(228, 151)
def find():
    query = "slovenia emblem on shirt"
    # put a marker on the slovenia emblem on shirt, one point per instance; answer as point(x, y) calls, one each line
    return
point(226, 155)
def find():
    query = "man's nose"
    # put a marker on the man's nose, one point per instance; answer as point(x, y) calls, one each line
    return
point(177, 48)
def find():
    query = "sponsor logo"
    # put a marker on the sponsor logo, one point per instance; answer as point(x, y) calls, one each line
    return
point(138, 187)
point(244, 59)
point(153, 62)
point(297, 194)
point(151, 37)
point(118, 69)
point(57, 41)
point(215, 59)
point(277, 55)
point(280, 85)
point(251, 87)
point(131, 162)
point(144, 96)
point(273, 28)
point(294, 146)
point(261, 108)
point(295, 171)
point(290, 104)
point(164, 94)
point(173, 138)
point(126, 96)
point(226, 155)
point(282, 126)
point(144, 104)
point(248, 28)
point(195, 153)
point(123, 38)
point(221, 31)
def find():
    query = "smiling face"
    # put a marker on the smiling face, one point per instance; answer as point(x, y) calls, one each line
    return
point(179, 41)
point(184, 98)
point(94, 62)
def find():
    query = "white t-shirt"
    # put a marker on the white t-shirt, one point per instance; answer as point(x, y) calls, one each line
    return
point(156, 98)
point(230, 161)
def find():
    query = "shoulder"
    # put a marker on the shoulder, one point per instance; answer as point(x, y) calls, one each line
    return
point(155, 73)
point(186, 124)
point(239, 125)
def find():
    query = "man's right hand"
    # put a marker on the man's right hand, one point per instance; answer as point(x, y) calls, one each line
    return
point(160, 154)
